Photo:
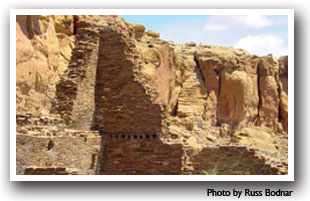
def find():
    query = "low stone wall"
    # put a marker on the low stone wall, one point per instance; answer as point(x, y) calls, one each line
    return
point(65, 149)
point(45, 146)
point(140, 154)
point(230, 160)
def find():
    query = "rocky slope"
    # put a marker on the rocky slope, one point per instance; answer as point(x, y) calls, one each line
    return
point(101, 73)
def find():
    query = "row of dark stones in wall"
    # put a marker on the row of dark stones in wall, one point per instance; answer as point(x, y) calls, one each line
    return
point(132, 136)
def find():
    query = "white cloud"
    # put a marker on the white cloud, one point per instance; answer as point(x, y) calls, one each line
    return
point(223, 22)
point(263, 44)
point(237, 31)
point(215, 27)
point(253, 21)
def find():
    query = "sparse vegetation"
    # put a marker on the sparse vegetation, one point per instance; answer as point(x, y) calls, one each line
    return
point(210, 172)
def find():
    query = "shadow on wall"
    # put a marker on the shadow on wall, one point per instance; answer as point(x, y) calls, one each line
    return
point(29, 25)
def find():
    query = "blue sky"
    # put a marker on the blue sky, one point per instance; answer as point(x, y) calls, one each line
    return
point(258, 34)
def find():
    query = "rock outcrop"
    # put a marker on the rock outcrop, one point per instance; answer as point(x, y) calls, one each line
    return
point(231, 79)
point(43, 51)
point(160, 108)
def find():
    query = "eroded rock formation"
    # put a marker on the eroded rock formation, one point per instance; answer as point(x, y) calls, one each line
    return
point(119, 100)
point(43, 51)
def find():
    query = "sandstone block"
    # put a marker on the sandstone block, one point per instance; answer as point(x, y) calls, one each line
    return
point(152, 34)
point(139, 30)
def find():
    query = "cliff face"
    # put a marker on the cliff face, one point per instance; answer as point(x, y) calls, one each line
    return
point(43, 51)
point(164, 107)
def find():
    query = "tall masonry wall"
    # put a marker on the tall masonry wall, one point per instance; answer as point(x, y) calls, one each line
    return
point(127, 113)
point(75, 91)
point(122, 103)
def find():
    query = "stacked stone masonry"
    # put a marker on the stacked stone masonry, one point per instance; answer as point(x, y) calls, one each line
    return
point(127, 102)
point(45, 142)
point(122, 103)
point(233, 160)
point(75, 92)
point(140, 154)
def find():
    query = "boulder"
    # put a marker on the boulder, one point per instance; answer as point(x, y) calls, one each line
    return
point(64, 24)
point(139, 30)
point(152, 34)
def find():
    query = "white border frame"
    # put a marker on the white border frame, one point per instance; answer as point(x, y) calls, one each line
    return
point(14, 12)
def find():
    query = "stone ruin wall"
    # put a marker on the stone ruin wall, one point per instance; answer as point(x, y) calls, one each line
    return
point(146, 155)
point(232, 160)
point(122, 102)
point(106, 88)
point(43, 143)
point(41, 150)
point(130, 154)
point(79, 152)
point(75, 95)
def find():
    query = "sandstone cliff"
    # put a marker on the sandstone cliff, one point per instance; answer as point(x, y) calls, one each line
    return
point(43, 51)
point(160, 108)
